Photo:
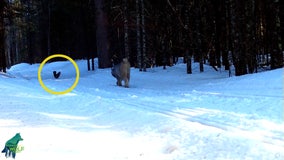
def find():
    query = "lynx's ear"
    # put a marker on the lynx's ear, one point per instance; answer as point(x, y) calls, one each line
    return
point(125, 60)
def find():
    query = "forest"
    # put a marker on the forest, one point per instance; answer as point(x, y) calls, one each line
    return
point(245, 34)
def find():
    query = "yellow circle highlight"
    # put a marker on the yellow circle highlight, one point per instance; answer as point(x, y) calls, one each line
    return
point(52, 91)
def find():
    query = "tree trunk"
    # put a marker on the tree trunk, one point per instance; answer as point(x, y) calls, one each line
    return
point(188, 55)
point(163, 46)
point(237, 21)
point(2, 31)
point(217, 6)
point(11, 40)
point(274, 35)
point(29, 35)
point(281, 8)
point(143, 36)
point(226, 60)
point(199, 51)
point(49, 28)
point(250, 36)
point(126, 30)
point(188, 62)
point(102, 35)
point(138, 35)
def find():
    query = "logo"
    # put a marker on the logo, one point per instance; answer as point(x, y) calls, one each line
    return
point(17, 149)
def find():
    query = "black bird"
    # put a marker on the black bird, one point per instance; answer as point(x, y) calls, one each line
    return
point(56, 75)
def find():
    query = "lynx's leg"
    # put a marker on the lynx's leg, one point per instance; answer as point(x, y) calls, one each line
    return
point(126, 83)
point(118, 82)
point(127, 79)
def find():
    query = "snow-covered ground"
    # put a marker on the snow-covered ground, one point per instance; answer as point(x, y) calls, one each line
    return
point(164, 115)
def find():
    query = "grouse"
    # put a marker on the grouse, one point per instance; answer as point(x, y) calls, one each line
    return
point(56, 75)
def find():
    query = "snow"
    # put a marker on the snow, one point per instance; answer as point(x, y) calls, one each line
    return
point(164, 115)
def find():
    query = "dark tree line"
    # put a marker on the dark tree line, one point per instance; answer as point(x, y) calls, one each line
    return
point(246, 35)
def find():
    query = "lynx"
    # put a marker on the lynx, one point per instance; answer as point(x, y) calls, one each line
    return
point(121, 72)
